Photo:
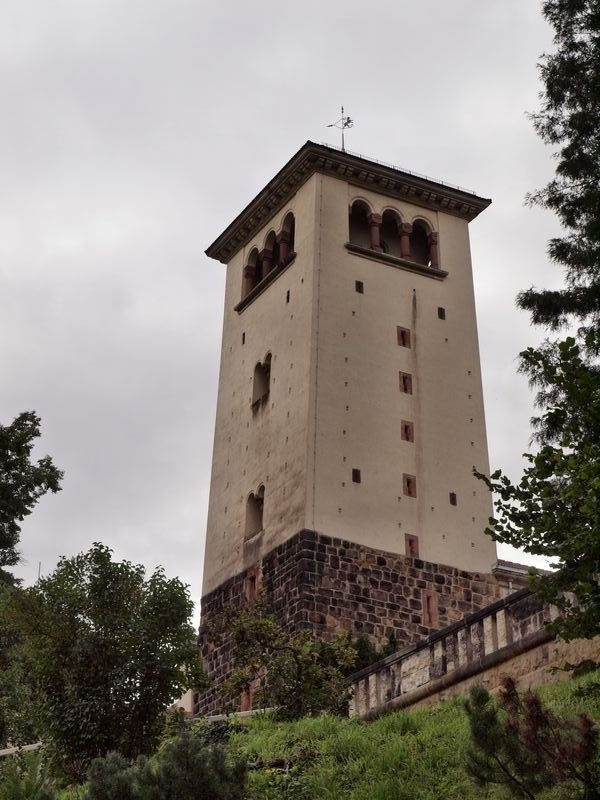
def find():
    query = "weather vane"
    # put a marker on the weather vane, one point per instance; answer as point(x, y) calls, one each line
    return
point(342, 124)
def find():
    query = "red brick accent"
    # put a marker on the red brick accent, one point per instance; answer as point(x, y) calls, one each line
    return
point(374, 221)
point(284, 240)
point(433, 249)
point(429, 600)
point(266, 257)
point(405, 232)
point(411, 545)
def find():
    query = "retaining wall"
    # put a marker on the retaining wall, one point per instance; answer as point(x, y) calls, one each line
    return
point(508, 636)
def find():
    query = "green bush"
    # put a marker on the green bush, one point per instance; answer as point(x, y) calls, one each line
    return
point(185, 768)
point(24, 777)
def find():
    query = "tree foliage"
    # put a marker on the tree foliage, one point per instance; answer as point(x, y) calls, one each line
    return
point(184, 768)
point(290, 671)
point(107, 649)
point(25, 777)
point(22, 483)
point(554, 509)
point(17, 705)
point(569, 120)
point(522, 745)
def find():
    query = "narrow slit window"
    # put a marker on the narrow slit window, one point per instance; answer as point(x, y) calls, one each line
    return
point(287, 296)
point(409, 485)
point(430, 608)
point(359, 286)
point(411, 545)
point(408, 431)
point(261, 383)
point(441, 312)
point(244, 337)
point(254, 512)
point(356, 476)
point(406, 382)
point(403, 336)
point(250, 586)
point(453, 500)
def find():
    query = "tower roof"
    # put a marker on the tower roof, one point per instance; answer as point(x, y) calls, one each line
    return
point(355, 169)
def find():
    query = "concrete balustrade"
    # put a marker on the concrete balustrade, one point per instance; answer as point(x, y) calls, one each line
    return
point(508, 636)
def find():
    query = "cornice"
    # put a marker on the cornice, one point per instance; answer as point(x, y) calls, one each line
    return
point(355, 169)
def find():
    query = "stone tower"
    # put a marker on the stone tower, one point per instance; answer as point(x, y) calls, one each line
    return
point(350, 409)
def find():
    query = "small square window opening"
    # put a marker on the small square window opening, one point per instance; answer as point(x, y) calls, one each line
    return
point(411, 545)
point(441, 313)
point(403, 336)
point(359, 286)
point(409, 485)
point(407, 431)
point(406, 382)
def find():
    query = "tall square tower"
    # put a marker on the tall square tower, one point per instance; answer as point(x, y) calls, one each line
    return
point(350, 409)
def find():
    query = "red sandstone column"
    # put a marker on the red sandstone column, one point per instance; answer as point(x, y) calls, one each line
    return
point(374, 221)
point(249, 278)
point(433, 249)
point(283, 240)
point(405, 232)
point(267, 261)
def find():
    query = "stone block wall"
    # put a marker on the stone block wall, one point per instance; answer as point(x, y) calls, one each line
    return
point(330, 585)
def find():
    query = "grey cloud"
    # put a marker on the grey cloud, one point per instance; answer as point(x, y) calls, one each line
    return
point(134, 132)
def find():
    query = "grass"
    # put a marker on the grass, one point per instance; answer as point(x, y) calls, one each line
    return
point(407, 755)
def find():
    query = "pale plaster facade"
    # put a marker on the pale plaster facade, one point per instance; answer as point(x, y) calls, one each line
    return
point(335, 401)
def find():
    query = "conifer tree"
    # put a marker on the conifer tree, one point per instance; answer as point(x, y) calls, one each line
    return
point(554, 510)
point(521, 744)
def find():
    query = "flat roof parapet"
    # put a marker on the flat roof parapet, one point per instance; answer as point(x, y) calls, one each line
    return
point(360, 171)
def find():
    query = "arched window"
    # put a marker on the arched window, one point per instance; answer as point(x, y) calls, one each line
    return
point(254, 512)
point(270, 254)
point(252, 271)
point(359, 224)
point(419, 243)
point(261, 382)
point(285, 239)
point(277, 252)
point(390, 233)
point(289, 226)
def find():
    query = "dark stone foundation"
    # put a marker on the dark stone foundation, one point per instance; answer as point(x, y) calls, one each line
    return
point(331, 585)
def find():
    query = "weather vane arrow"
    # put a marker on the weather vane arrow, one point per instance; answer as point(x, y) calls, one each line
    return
point(342, 123)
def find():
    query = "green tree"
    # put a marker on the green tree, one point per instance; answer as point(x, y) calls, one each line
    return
point(554, 509)
point(293, 673)
point(569, 120)
point(521, 744)
point(22, 483)
point(107, 649)
point(17, 717)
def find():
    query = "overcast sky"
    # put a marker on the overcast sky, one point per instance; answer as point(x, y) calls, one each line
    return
point(133, 131)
